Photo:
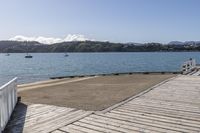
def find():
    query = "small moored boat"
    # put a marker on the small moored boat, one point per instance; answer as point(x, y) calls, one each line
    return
point(66, 55)
point(7, 54)
point(28, 56)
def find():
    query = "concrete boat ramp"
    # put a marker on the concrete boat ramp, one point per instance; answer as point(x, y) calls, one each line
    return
point(171, 106)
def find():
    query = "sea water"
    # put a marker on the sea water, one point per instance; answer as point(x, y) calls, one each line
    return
point(45, 65)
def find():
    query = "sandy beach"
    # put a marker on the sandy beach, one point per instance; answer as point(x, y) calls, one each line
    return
point(89, 93)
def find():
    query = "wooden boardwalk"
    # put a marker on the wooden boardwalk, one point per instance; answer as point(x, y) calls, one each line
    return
point(172, 106)
point(40, 118)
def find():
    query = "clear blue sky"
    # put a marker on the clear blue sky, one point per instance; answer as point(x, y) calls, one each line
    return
point(113, 20)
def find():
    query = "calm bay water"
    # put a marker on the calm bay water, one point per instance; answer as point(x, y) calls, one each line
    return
point(45, 65)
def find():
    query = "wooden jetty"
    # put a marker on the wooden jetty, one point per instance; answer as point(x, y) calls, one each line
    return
point(171, 106)
point(38, 118)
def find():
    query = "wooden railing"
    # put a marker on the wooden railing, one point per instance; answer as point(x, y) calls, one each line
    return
point(8, 100)
point(188, 66)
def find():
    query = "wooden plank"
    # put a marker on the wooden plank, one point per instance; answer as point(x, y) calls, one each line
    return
point(20, 117)
point(79, 128)
point(69, 129)
point(52, 112)
point(177, 92)
point(154, 123)
point(191, 124)
point(122, 124)
point(194, 121)
point(95, 127)
point(163, 112)
point(58, 131)
point(53, 123)
point(59, 122)
point(175, 98)
point(47, 118)
point(166, 105)
point(154, 102)
point(32, 112)
point(133, 123)
point(37, 118)
point(107, 126)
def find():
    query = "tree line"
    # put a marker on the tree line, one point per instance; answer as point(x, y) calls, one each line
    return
point(91, 46)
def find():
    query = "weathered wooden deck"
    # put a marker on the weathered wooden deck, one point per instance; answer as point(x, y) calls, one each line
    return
point(172, 106)
point(39, 118)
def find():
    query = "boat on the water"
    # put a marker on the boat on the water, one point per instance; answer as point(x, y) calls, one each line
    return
point(66, 55)
point(28, 56)
point(7, 54)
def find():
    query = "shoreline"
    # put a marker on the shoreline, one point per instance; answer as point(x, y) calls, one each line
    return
point(60, 78)
point(116, 74)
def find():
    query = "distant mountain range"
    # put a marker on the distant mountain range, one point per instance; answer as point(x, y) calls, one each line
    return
point(184, 43)
point(95, 46)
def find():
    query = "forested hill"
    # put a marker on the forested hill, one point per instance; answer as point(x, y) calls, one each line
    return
point(94, 46)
